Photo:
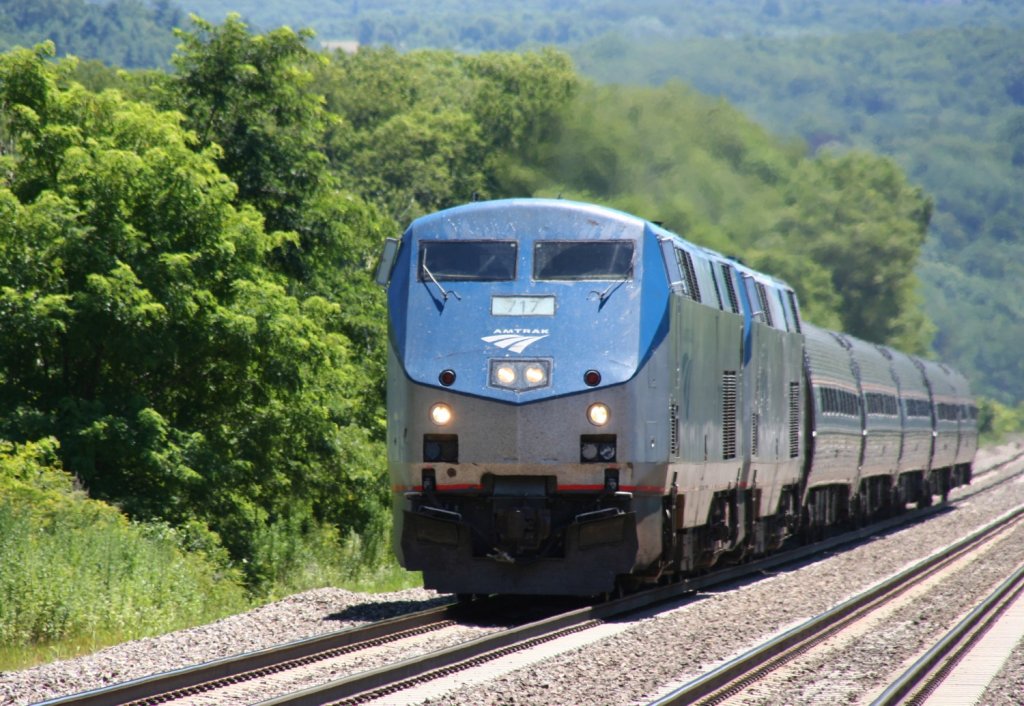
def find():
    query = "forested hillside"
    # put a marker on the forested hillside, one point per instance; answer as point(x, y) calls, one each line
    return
point(475, 25)
point(125, 33)
point(938, 86)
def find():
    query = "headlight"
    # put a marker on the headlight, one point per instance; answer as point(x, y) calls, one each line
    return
point(598, 414)
point(505, 375)
point(535, 375)
point(519, 375)
point(441, 414)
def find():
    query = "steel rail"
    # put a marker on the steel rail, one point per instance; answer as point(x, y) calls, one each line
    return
point(731, 677)
point(934, 666)
point(164, 686)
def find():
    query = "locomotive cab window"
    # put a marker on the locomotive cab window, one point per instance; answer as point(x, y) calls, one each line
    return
point(582, 260)
point(483, 260)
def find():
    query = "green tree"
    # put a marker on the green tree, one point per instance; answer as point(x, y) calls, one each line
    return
point(858, 217)
point(148, 328)
point(250, 95)
point(253, 97)
point(432, 129)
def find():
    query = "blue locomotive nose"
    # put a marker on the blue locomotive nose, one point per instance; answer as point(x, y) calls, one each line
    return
point(524, 300)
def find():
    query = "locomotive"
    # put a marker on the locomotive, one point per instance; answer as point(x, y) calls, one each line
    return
point(580, 400)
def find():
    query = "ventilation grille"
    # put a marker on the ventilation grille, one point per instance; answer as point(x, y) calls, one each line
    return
point(673, 429)
point(686, 264)
point(730, 289)
point(794, 419)
point(729, 414)
point(755, 422)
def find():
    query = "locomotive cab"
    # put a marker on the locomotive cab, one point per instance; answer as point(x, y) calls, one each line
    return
point(516, 331)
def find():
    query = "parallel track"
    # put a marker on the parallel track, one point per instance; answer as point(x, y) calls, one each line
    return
point(168, 686)
point(927, 674)
point(737, 675)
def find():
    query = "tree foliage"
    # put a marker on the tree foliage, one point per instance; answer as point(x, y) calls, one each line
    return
point(120, 32)
point(428, 130)
point(147, 327)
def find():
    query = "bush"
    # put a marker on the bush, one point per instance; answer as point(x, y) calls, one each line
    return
point(75, 570)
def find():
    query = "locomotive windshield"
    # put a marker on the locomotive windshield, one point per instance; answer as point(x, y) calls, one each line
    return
point(490, 260)
point(575, 259)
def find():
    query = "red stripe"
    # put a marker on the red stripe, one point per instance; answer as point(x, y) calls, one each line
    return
point(644, 489)
point(639, 489)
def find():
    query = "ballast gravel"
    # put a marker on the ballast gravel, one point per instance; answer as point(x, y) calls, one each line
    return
point(635, 666)
point(300, 616)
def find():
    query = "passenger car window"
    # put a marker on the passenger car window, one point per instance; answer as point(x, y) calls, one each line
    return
point(485, 260)
point(575, 259)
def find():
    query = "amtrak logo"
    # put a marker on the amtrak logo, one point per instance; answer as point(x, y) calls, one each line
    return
point(517, 339)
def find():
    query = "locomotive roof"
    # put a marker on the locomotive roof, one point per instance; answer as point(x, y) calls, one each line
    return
point(441, 222)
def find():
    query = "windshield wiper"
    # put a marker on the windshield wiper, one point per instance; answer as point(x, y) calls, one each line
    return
point(603, 296)
point(444, 292)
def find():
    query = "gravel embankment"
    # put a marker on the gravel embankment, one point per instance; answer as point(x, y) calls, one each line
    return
point(631, 667)
point(302, 615)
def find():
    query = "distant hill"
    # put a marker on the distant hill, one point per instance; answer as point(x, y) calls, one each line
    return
point(124, 33)
point(495, 25)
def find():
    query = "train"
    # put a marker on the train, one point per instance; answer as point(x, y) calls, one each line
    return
point(581, 402)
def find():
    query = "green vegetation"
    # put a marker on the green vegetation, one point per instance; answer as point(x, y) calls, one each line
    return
point(119, 32)
point(76, 574)
point(997, 421)
point(488, 25)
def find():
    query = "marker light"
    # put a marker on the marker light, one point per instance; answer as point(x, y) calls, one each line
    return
point(441, 414)
point(592, 378)
point(447, 377)
point(598, 414)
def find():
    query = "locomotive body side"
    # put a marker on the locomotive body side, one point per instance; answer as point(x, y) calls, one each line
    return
point(735, 408)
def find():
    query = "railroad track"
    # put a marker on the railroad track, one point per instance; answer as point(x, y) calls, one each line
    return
point(184, 684)
point(842, 623)
point(928, 675)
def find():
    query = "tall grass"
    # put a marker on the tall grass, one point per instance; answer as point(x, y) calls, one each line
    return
point(75, 574)
point(305, 556)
